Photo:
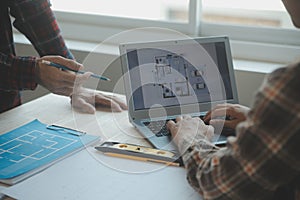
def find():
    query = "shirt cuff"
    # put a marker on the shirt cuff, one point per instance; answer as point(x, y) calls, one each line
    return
point(199, 146)
point(24, 72)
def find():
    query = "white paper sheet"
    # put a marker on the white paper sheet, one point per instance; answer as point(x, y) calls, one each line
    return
point(91, 175)
point(1, 189)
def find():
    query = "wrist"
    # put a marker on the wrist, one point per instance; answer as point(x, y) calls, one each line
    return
point(37, 71)
point(25, 72)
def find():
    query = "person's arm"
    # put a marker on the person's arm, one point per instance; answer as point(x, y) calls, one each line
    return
point(14, 77)
point(37, 22)
point(265, 154)
point(21, 73)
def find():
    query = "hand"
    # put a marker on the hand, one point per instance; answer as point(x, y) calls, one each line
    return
point(69, 84)
point(233, 114)
point(187, 129)
point(86, 100)
point(55, 80)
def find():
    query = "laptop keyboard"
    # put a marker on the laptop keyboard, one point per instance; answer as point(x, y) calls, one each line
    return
point(159, 128)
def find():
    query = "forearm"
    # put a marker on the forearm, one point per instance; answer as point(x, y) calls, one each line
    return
point(224, 174)
point(196, 159)
point(247, 169)
point(264, 156)
point(37, 22)
point(17, 73)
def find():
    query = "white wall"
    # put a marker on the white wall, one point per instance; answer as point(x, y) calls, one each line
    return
point(247, 85)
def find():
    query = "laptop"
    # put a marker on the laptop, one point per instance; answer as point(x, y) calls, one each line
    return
point(170, 78)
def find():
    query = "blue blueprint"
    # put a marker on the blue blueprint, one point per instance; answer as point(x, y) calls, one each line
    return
point(33, 145)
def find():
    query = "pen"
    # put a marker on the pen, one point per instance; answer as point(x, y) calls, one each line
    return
point(142, 159)
point(66, 130)
point(59, 66)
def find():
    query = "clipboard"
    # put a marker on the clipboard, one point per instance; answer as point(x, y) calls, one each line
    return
point(142, 153)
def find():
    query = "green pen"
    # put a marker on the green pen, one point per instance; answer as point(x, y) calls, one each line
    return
point(59, 66)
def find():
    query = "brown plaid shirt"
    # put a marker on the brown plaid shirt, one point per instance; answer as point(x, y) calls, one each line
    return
point(37, 22)
point(263, 161)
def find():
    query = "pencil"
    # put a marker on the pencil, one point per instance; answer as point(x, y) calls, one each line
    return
point(59, 66)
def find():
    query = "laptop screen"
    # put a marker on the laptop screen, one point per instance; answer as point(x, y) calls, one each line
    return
point(166, 77)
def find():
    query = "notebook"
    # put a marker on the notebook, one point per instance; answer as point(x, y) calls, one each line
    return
point(166, 79)
point(35, 146)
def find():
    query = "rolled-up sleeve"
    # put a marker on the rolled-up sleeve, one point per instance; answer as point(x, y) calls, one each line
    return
point(17, 73)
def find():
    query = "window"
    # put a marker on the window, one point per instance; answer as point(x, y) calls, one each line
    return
point(267, 13)
point(101, 19)
point(260, 30)
point(160, 10)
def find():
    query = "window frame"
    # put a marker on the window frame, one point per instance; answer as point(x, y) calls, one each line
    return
point(251, 43)
point(72, 22)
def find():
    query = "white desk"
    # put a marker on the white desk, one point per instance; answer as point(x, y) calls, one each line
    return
point(90, 174)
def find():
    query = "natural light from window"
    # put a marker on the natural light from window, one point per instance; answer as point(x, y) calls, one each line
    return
point(266, 13)
point(270, 13)
point(163, 10)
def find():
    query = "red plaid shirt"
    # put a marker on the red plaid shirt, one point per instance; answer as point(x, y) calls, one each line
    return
point(263, 161)
point(36, 21)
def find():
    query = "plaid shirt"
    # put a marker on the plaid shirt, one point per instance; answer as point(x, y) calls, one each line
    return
point(36, 21)
point(263, 161)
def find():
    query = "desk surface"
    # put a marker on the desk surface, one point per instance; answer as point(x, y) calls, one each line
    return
point(90, 174)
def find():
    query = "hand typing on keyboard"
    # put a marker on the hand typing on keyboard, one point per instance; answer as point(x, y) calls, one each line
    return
point(186, 129)
point(227, 115)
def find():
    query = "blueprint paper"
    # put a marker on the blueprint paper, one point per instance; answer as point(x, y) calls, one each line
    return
point(32, 146)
